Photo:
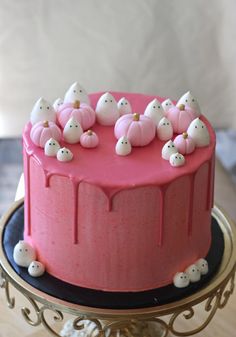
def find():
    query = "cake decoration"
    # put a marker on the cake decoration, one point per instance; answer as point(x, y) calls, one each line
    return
point(167, 104)
point(154, 111)
point(123, 146)
point(184, 143)
point(64, 155)
point(76, 93)
point(190, 100)
point(72, 131)
point(194, 273)
point(139, 129)
point(42, 131)
point(107, 111)
point(177, 160)
point(58, 102)
point(42, 110)
point(181, 280)
point(36, 269)
point(51, 148)
point(168, 149)
point(180, 116)
point(82, 112)
point(124, 106)
point(202, 265)
point(164, 129)
point(23, 254)
point(89, 139)
point(198, 131)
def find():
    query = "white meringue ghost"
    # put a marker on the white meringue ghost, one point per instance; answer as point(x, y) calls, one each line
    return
point(23, 254)
point(107, 111)
point(168, 149)
point(76, 93)
point(42, 111)
point(51, 147)
point(36, 269)
point(64, 155)
point(124, 106)
point(164, 129)
point(181, 280)
point(194, 273)
point(188, 99)
point(123, 146)
point(167, 104)
point(154, 111)
point(199, 132)
point(177, 159)
point(57, 103)
point(202, 265)
point(72, 131)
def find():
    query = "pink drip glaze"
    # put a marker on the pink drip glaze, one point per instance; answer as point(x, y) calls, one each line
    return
point(191, 199)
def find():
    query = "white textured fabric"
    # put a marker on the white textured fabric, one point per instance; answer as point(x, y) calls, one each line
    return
point(156, 47)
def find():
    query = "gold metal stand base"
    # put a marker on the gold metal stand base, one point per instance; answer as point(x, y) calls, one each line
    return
point(148, 322)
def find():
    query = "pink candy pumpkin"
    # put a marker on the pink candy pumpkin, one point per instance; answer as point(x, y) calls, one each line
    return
point(184, 143)
point(41, 132)
point(89, 139)
point(82, 112)
point(180, 117)
point(139, 129)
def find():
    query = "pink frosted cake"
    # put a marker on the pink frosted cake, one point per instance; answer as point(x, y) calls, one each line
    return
point(123, 202)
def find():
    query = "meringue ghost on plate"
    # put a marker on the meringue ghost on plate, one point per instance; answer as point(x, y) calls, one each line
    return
point(194, 273)
point(51, 147)
point(181, 280)
point(168, 149)
point(202, 264)
point(76, 93)
point(167, 104)
point(23, 254)
point(124, 106)
point(107, 111)
point(198, 131)
point(42, 111)
point(164, 129)
point(123, 146)
point(154, 111)
point(177, 159)
point(36, 269)
point(58, 102)
point(64, 155)
point(190, 100)
point(72, 131)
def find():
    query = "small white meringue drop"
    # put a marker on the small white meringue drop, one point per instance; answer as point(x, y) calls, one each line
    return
point(72, 131)
point(181, 280)
point(124, 106)
point(107, 111)
point(76, 93)
point(64, 155)
point(164, 129)
point(168, 149)
point(199, 132)
point(194, 273)
point(154, 111)
point(36, 269)
point(42, 111)
point(23, 254)
point(177, 160)
point(51, 148)
point(190, 100)
point(123, 146)
point(202, 265)
point(57, 103)
point(167, 104)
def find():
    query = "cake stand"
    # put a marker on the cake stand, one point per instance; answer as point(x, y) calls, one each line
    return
point(155, 321)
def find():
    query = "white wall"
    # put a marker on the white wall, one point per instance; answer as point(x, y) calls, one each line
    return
point(158, 47)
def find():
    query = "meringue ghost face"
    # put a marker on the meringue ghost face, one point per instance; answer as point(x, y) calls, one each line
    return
point(154, 111)
point(107, 111)
point(181, 280)
point(23, 254)
point(167, 104)
point(194, 273)
point(51, 148)
point(64, 155)
point(199, 132)
point(36, 269)
point(168, 149)
point(202, 265)
point(76, 93)
point(164, 129)
point(72, 131)
point(58, 102)
point(123, 146)
point(41, 111)
point(177, 160)
point(124, 106)
point(190, 100)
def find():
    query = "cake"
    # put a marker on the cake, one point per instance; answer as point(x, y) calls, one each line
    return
point(121, 203)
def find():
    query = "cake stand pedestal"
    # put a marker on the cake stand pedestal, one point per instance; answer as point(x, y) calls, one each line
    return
point(155, 321)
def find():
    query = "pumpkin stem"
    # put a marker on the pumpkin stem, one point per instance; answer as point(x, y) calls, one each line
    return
point(136, 117)
point(45, 124)
point(90, 132)
point(76, 104)
point(181, 107)
point(185, 135)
